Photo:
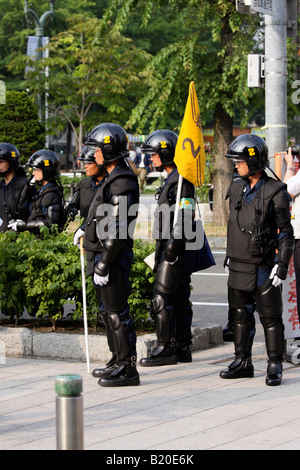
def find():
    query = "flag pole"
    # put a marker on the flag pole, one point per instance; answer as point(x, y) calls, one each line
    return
point(178, 197)
point(84, 305)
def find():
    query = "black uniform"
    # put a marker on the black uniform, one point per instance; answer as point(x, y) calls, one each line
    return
point(83, 195)
point(10, 195)
point(109, 251)
point(259, 236)
point(174, 264)
point(46, 209)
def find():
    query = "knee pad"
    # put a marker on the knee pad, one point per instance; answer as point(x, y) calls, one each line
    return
point(158, 303)
point(162, 319)
point(240, 315)
point(120, 336)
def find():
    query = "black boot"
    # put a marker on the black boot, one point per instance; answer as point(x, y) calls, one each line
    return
point(274, 336)
point(162, 355)
point(183, 345)
point(238, 369)
point(242, 365)
point(183, 353)
point(126, 374)
point(274, 373)
point(110, 367)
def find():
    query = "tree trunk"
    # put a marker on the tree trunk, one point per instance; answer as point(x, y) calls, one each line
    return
point(223, 168)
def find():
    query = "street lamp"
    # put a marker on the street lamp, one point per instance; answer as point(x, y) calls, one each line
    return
point(39, 32)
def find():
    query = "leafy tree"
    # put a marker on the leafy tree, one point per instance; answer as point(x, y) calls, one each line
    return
point(86, 78)
point(212, 51)
point(20, 125)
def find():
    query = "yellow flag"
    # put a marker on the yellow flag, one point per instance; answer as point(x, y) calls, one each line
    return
point(189, 152)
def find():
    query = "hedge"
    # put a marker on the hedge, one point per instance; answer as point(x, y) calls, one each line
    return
point(43, 274)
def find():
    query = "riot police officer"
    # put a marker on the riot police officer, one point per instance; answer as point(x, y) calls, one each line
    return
point(47, 206)
point(87, 187)
point(173, 262)
point(108, 240)
point(11, 185)
point(258, 225)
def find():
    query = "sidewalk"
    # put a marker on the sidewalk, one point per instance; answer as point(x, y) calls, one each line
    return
point(185, 407)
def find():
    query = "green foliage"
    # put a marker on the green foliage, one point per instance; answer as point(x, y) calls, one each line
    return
point(142, 279)
point(86, 76)
point(20, 125)
point(13, 298)
point(44, 274)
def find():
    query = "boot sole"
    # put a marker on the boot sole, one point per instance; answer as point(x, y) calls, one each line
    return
point(119, 383)
point(157, 363)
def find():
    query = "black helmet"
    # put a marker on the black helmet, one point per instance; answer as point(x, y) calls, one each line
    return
point(162, 142)
point(111, 139)
point(251, 148)
point(47, 161)
point(87, 154)
point(10, 154)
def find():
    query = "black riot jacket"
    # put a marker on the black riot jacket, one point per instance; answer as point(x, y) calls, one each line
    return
point(83, 195)
point(103, 228)
point(163, 230)
point(46, 209)
point(10, 195)
point(253, 226)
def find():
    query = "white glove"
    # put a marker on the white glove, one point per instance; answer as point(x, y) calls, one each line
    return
point(32, 181)
point(77, 235)
point(276, 280)
point(13, 225)
point(226, 266)
point(101, 280)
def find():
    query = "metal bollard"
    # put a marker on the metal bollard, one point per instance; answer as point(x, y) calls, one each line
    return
point(69, 412)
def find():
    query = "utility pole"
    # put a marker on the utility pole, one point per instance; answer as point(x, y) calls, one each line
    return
point(276, 79)
point(270, 70)
point(39, 32)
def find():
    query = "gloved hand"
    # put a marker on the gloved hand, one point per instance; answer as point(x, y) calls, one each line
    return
point(101, 280)
point(226, 265)
point(32, 181)
point(173, 262)
point(77, 235)
point(274, 275)
point(13, 225)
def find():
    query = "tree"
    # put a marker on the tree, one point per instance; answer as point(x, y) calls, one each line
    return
point(20, 124)
point(86, 79)
point(212, 51)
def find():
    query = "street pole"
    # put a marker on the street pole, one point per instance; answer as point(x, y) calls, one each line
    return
point(39, 32)
point(276, 79)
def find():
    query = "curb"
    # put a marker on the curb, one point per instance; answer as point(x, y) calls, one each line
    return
point(24, 342)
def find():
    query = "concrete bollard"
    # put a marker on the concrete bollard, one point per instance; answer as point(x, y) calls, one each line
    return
point(69, 412)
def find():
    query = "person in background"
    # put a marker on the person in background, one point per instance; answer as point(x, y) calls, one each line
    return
point(260, 244)
point(144, 166)
point(47, 204)
point(11, 186)
point(292, 181)
point(87, 187)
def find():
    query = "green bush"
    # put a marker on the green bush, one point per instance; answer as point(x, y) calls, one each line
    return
point(44, 274)
point(142, 279)
point(20, 124)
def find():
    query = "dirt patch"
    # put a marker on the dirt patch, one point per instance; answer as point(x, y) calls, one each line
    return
point(61, 326)
point(75, 327)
